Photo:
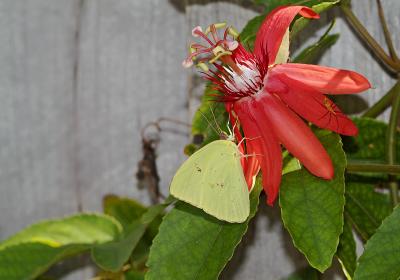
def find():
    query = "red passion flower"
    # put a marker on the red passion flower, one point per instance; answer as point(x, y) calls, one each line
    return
point(268, 96)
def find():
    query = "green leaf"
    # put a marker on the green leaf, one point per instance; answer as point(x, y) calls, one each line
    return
point(312, 53)
point(194, 245)
point(366, 208)
point(290, 163)
point(248, 34)
point(33, 250)
point(346, 251)
point(29, 260)
point(140, 227)
point(113, 255)
point(134, 275)
point(381, 257)
point(302, 22)
point(209, 118)
point(369, 144)
point(312, 208)
point(306, 273)
point(123, 209)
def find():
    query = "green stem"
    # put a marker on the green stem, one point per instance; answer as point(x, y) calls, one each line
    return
point(368, 39)
point(386, 32)
point(383, 103)
point(392, 143)
point(357, 167)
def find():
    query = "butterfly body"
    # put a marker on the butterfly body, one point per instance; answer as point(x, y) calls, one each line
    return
point(212, 179)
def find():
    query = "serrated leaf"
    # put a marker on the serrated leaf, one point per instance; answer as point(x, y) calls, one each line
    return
point(346, 251)
point(302, 22)
point(366, 208)
point(381, 257)
point(312, 208)
point(34, 249)
point(194, 245)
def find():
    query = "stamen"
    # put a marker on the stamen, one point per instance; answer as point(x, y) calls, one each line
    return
point(214, 33)
point(219, 52)
point(229, 61)
point(198, 32)
point(202, 66)
point(220, 49)
point(218, 25)
point(233, 32)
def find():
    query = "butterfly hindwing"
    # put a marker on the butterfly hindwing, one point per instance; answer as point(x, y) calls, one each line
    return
point(212, 179)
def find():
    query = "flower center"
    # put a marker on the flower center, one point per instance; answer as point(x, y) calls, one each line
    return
point(236, 73)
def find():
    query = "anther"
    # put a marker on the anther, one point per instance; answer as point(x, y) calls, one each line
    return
point(233, 32)
point(216, 25)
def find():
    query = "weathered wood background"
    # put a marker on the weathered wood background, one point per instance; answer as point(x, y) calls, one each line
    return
point(80, 78)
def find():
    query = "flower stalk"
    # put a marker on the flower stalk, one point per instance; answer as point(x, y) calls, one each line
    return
point(392, 143)
point(386, 32)
point(360, 167)
point(382, 104)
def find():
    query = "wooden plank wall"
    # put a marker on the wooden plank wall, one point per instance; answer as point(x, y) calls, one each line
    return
point(80, 78)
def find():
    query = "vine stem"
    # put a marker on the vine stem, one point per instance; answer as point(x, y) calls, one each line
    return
point(386, 32)
point(392, 143)
point(393, 66)
point(383, 103)
point(357, 167)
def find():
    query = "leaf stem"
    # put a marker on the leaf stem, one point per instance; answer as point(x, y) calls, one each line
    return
point(393, 66)
point(357, 167)
point(392, 143)
point(386, 32)
point(383, 103)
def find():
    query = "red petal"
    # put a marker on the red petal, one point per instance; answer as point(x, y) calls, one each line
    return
point(324, 79)
point(272, 30)
point(263, 143)
point(252, 167)
point(311, 105)
point(298, 139)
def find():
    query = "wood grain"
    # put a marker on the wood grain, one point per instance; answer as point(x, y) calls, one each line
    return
point(79, 80)
point(37, 174)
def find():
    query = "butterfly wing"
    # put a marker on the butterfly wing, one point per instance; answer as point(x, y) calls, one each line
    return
point(212, 179)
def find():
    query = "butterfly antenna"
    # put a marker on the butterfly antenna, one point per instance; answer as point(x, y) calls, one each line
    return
point(215, 120)
point(209, 123)
point(231, 135)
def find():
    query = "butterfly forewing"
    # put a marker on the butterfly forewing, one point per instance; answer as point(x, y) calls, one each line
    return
point(212, 179)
